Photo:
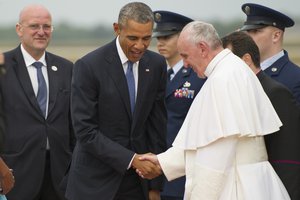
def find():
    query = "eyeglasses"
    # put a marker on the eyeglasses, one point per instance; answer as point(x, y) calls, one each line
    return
point(37, 27)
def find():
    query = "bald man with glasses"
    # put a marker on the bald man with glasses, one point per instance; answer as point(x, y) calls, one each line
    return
point(36, 100)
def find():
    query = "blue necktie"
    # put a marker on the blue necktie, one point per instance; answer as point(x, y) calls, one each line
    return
point(131, 85)
point(169, 73)
point(42, 88)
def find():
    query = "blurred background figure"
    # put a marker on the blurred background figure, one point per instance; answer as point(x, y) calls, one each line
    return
point(267, 27)
point(183, 85)
point(36, 101)
point(6, 175)
point(282, 147)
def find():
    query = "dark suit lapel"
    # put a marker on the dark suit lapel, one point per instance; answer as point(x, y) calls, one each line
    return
point(53, 80)
point(145, 72)
point(178, 80)
point(116, 71)
point(24, 79)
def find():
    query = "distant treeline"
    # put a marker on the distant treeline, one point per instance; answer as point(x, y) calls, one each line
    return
point(63, 34)
point(66, 34)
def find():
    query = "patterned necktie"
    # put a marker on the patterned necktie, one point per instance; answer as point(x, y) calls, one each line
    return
point(169, 73)
point(42, 88)
point(131, 85)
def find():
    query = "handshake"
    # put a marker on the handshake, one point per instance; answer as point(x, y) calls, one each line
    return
point(146, 165)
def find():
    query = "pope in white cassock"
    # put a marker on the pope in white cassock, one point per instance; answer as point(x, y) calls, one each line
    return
point(220, 146)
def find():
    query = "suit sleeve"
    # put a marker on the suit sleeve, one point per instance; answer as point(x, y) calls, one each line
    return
point(84, 107)
point(1, 125)
point(1, 115)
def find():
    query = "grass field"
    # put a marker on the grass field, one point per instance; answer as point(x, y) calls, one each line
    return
point(77, 51)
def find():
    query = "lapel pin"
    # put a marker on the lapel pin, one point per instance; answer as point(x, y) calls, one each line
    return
point(184, 71)
point(274, 69)
point(187, 84)
point(54, 68)
point(147, 70)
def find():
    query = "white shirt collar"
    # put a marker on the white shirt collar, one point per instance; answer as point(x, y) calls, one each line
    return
point(121, 53)
point(29, 59)
point(177, 66)
point(268, 62)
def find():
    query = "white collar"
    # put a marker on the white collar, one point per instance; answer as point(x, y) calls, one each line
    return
point(29, 59)
point(121, 53)
point(214, 62)
point(268, 62)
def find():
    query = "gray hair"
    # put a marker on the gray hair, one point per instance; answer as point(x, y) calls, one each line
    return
point(137, 11)
point(201, 31)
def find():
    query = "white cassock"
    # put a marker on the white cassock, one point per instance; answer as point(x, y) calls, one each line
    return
point(220, 146)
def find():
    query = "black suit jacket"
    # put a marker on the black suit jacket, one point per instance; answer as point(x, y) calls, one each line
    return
point(1, 115)
point(26, 128)
point(283, 146)
point(107, 133)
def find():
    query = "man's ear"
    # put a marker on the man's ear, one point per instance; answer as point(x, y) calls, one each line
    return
point(19, 29)
point(247, 59)
point(116, 28)
point(277, 35)
point(203, 48)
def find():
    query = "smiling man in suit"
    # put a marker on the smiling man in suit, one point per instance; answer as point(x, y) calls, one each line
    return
point(118, 112)
point(36, 99)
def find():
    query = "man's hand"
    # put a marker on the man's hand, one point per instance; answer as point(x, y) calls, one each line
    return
point(145, 168)
point(154, 195)
point(150, 157)
point(7, 179)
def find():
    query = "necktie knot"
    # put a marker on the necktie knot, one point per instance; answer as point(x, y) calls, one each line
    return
point(37, 65)
point(130, 65)
point(169, 73)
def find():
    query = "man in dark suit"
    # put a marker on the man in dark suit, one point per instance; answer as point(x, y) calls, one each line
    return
point(183, 85)
point(282, 146)
point(36, 99)
point(118, 112)
point(266, 26)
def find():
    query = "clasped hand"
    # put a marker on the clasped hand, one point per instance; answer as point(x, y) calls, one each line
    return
point(7, 179)
point(146, 165)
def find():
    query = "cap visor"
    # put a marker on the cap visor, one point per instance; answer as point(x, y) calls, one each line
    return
point(252, 27)
point(164, 33)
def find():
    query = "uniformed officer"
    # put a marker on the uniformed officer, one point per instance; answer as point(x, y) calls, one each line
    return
point(182, 87)
point(266, 26)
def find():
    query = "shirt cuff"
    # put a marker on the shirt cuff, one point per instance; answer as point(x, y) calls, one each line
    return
point(131, 161)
